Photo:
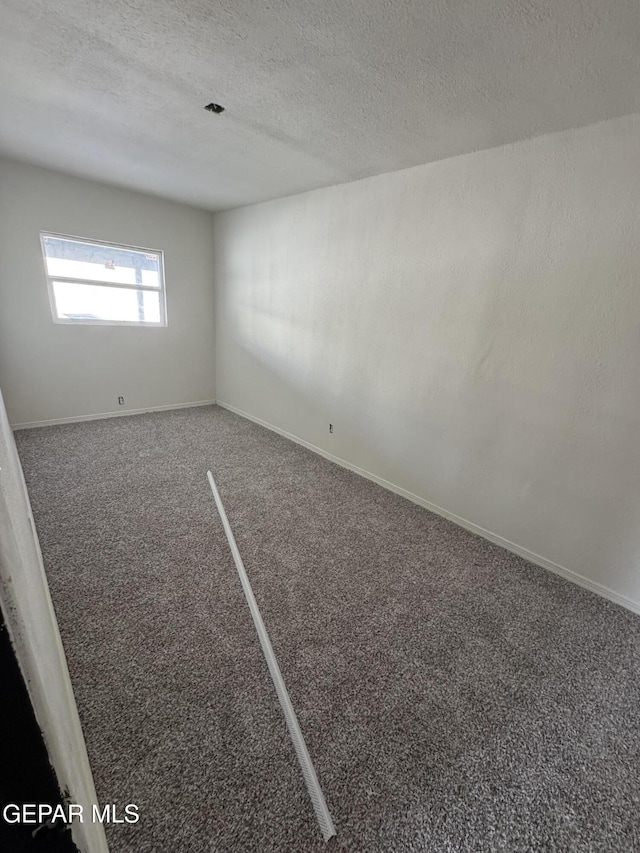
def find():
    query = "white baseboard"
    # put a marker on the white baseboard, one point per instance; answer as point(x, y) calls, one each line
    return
point(532, 557)
point(119, 414)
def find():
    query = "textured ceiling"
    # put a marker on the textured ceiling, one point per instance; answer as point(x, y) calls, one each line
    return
point(316, 93)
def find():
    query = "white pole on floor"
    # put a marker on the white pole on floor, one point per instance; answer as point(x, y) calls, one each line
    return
point(311, 780)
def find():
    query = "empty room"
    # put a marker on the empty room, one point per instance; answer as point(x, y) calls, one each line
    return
point(319, 421)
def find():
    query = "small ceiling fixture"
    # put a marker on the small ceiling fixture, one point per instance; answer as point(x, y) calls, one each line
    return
point(214, 108)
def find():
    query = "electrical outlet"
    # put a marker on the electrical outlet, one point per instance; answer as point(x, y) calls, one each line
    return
point(121, 401)
point(330, 427)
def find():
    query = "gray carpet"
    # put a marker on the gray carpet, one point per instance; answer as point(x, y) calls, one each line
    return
point(453, 696)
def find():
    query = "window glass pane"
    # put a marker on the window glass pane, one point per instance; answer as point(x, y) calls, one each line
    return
point(95, 262)
point(115, 304)
point(151, 306)
point(151, 278)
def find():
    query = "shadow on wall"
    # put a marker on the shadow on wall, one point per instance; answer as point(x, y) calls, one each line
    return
point(472, 333)
point(292, 395)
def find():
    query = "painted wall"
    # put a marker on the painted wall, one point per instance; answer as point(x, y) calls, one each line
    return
point(50, 371)
point(472, 330)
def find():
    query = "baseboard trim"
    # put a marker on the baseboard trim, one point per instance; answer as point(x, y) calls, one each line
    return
point(514, 548)
point(120, 414)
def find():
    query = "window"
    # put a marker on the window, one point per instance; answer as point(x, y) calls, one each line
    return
point(98, 283)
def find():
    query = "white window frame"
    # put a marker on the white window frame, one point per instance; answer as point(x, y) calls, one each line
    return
point(71, 321)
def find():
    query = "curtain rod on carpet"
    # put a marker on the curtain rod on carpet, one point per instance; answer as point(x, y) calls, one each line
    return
point(306, 765)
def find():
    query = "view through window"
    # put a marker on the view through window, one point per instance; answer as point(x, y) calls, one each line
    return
point(94, 282)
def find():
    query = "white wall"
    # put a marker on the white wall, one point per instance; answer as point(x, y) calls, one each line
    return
point(50, 371)
point(31, 621)
point(470, 327)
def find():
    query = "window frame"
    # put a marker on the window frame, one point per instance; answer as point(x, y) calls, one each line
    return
point(70, 321)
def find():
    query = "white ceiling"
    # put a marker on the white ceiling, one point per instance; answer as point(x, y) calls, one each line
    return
point(316, 93)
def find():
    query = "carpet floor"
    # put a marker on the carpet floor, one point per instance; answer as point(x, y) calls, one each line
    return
point(453, 696)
